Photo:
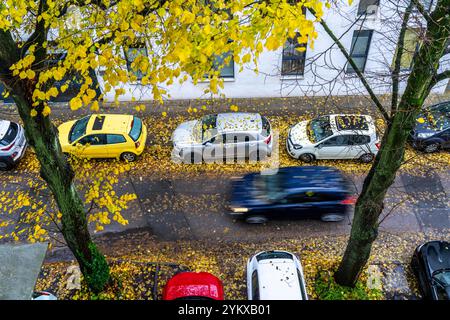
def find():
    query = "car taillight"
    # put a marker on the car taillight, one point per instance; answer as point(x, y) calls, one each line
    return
point(8, 148)
point(267, 140)
point(349, 200)
point(137, 144)
point(377, 144)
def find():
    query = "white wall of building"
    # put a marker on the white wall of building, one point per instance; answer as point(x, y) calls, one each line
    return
point(319, 79)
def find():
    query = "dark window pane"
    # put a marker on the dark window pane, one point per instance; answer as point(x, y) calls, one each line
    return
point(131, 54)
point(255, 286)
point(368, 6)
point(359, 49)
point(115, 138)
point(293, 61)
point(78, 129)
point(95, 139)
point(226, 69)
point(136, 129)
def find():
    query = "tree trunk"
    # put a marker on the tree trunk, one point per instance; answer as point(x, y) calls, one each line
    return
point(389, 159)
point(57, 172)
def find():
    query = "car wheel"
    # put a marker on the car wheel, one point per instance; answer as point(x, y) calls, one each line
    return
point(332, 217)
point(432, 147)
point(256, 219)
point(5, 165)
point(366, 158)
point(128, 156)
point(307, 157)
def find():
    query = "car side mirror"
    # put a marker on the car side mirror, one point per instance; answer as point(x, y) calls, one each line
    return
point(207, 144)
point(319, 146)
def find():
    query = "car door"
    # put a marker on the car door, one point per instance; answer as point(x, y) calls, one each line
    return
point(92, 146)
point(294, 206)
point(358, 145)
point(336, 147)
point(213, 149)
point(115, 145)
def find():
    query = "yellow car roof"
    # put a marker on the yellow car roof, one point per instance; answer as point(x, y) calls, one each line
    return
point(109, 123)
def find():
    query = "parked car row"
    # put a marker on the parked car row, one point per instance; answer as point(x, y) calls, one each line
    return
point(225, 136)
point(271, 275)
point(278, 275)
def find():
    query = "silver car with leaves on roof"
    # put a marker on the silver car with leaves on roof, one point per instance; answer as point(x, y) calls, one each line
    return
point(223, 137)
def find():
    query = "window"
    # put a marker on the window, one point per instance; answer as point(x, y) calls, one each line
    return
point(78, 129)
point(368, 7)
point(93, 139)
point(10, 134)
point(359, 49)
point(224, 63)
point(269, 255)
point(136, 128)
point(358, 140)
point(255, 286)
point(341, 140)
point(301, 283)
point(115, 138)
point(131, 54)
point(98, 123)
point(293, 61)
point(410, 47)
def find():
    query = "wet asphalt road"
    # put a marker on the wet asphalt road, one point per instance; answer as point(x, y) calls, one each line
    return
point(196, 209)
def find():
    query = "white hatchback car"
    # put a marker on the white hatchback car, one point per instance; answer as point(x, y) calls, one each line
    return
point(12, 144)
point(223, 137)
point(336, 136)
point(275, 275)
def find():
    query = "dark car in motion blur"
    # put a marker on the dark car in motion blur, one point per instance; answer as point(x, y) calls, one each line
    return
point(431, 265)
point(432, 130)
point(293, 192)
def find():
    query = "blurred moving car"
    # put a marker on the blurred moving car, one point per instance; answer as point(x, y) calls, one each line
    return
point(431, 265)
point(12, 144)
point(104, 136)
point(275, 275)
point(432, 130)
point(193, 286)
point(336, 136)
point(293, 192)
point(223, 136)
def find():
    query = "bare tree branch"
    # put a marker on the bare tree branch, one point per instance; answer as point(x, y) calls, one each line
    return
point(352, 63)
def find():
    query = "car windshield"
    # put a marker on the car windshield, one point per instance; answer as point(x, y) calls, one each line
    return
point(438, 119)
point(208, 127)
point(443, 277)
point(78, 129)
point(273, 255)
point(319, 129)
point(10, 135)
point(136, 129)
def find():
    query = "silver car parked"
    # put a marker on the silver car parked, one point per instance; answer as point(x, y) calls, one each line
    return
point(12, 144)
point(223, 137)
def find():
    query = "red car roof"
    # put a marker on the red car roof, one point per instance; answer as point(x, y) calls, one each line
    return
point(193, 284)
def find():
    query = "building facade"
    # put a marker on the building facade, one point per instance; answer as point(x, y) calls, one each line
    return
point(368, 29)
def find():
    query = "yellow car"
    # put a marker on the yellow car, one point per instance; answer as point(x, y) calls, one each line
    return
point(104, 136)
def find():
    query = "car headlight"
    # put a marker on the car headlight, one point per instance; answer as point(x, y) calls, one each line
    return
point(425, 134)
point(294, 145)
point(239, 210)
